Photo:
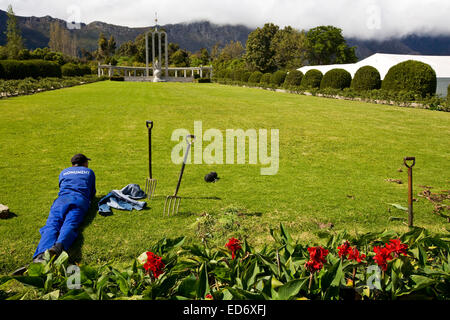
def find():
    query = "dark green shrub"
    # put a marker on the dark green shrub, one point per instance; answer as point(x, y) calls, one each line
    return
point(75, 70)
point(245, 76)
point(228, 74)
point(203, 80)
point(413, 76)
point(336, 79)
point(278, 78)
point(311, 79)
point(293, 78)
point(265, 79)
point(15, 69)
point(2, 72)
point(117, 78)
point(366, 78)
point(255, 77)
point(237, 74)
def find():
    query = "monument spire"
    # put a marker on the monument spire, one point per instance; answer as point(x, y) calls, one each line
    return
point(156, 21)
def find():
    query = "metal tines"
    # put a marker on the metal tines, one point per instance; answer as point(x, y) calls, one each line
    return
point(150, 183)
point(172, 203)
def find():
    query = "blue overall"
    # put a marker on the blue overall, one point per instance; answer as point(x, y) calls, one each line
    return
point(76, 190)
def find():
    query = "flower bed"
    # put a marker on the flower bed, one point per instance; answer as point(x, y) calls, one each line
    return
point(414, 265)
point(378, 96)
point(12, 88)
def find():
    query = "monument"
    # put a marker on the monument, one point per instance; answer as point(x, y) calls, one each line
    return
point(156, 61)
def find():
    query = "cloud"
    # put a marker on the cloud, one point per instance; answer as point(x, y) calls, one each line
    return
point(368, 19)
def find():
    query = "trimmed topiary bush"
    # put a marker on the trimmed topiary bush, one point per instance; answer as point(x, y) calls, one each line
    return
point(366, 78)
point(311, 79)
point(278, 78)
point(293, 78)
point(255, 77)
point(336, 79)
point(16, 70)
point(265, 79)
point(413, 76)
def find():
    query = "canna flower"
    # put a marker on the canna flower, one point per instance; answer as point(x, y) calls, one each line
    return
point(233, 245)
point(396, 247)
point(317, 259)
point(154, 264)
point(383, 255)
point(209, 297)
point(355, 255)
point(344, 249)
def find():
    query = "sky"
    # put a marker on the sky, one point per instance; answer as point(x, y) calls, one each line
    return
point(365, 19)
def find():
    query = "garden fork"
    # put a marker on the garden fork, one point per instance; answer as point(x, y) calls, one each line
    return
point(150, 184)
point(172, 203)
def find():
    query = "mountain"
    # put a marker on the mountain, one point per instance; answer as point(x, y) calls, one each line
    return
point(195, 35)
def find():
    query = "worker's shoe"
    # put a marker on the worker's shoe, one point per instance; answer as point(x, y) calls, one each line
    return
point(56, 250)
point(39, 258)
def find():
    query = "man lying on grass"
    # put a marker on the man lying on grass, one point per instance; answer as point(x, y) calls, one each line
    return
point(76, 191)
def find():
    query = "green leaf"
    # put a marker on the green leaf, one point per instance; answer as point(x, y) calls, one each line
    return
point(250, 275)
point(54, 295)
point(62, 259)
point(202, 288)
point(35, 269)
point(291, 288)
point(395, 205)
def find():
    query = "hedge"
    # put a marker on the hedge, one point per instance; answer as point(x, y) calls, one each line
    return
point(75, 70)
point(265, 79)
point(16, 70)
point(448, 95)
point(336, 79)
point(293, 78)
point(278, 78)
point(366, 78)
point(311, 79)
point(413, 76)
point(255, 77)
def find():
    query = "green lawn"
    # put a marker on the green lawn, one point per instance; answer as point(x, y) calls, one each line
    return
point(334, 158)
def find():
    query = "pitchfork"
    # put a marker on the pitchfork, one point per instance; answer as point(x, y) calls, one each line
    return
point(172, 203)
point(150, 184)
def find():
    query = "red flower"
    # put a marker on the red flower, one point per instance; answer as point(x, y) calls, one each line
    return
point(355, 255)
point(318, 254)
point(233, 245)
point(397, 248)
point(154, 263)
point(344, 249)
point(317, 259)
point(383, 255)
point(209, 297)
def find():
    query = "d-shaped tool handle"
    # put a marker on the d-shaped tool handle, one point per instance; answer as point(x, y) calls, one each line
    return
point(413, 159)
point(149, 124)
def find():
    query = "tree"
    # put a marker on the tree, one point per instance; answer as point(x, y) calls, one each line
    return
point(14, 41)
point(260, 53)
point(180, 58)
point(199, 58)
point(61, 40)
point(232, 50)
point(111, 47)
point(102, 51)
point(326, 45)
point(289, 48)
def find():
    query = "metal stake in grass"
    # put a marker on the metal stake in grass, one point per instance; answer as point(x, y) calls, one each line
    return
point(150, 184)
point(172, 203)
point(410, 188)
